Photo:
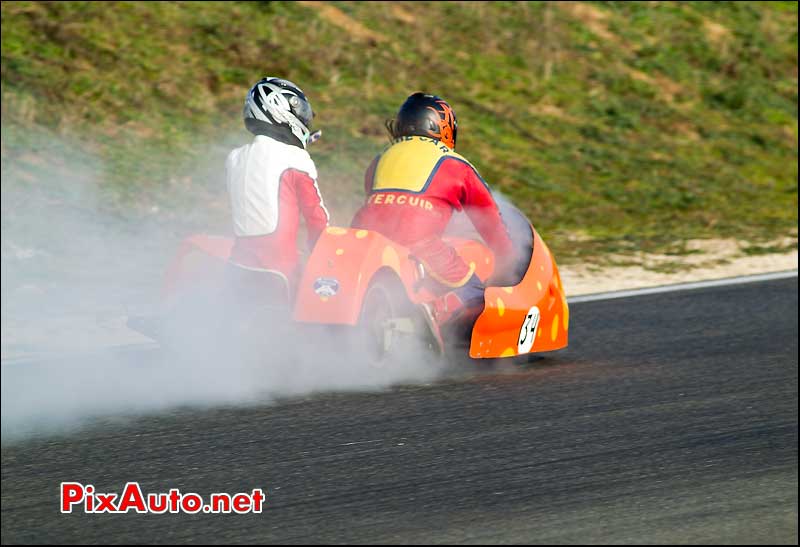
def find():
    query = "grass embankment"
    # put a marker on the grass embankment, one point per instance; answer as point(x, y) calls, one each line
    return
point(617, 126)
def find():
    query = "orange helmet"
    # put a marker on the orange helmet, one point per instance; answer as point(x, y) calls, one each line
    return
point(425, 116)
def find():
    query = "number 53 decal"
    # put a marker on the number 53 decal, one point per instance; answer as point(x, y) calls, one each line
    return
point(527, 334)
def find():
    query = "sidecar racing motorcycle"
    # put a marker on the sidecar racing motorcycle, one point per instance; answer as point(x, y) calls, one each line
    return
point(357, 283)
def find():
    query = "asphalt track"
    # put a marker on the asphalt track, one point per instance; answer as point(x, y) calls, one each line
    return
point(671, 418)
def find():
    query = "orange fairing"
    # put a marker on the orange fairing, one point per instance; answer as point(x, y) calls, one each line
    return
point(532, 316)
point(344, 261)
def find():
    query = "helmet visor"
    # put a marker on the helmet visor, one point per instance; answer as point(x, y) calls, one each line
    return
point(301, 109)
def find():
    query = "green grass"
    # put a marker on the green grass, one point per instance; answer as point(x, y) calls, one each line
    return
point(634, 125)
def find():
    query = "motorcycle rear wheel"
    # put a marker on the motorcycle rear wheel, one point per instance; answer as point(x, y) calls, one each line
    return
point(390, 327)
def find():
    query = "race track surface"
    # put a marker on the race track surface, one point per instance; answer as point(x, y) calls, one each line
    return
point(670, 418)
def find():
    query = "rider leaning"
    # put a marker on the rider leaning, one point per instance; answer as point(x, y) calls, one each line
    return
point(412, 189)
point(273, 180)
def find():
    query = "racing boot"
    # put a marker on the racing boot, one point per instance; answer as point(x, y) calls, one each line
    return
point(439, 313)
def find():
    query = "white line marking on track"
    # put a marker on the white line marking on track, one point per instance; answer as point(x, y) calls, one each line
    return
point(682, 287)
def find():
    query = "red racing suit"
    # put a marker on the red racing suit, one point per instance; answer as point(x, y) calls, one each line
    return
point(412, 189)
point(270, 185)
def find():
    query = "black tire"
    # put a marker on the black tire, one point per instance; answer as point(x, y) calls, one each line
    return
point(390, 328)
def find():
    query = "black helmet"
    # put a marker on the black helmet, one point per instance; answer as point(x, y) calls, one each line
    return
point(425, 116)
point(278, 107)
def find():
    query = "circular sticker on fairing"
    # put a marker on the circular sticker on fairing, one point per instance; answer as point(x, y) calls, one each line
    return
point(326, 286)
point(527, 333)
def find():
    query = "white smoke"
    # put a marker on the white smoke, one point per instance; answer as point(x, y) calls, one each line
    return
point(73, 267)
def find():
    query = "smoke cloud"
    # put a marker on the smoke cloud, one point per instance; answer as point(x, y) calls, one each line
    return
point(74, 268)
